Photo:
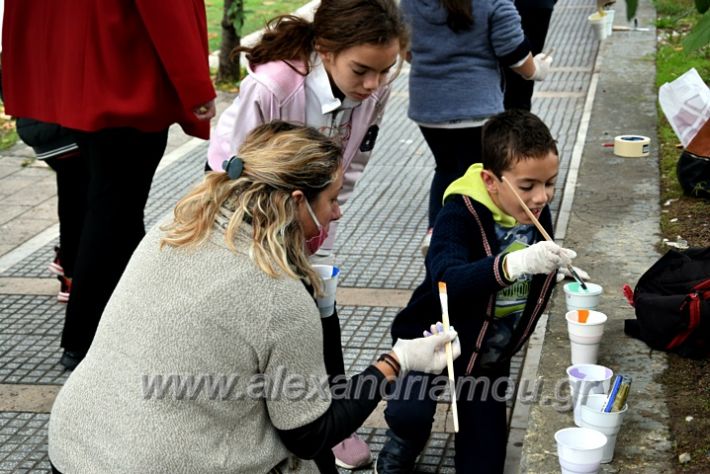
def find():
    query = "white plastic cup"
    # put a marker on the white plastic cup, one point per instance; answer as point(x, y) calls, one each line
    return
point(577, 297)
point(579, 450)
point(606, 423)
point(586, 379)
point(598, 25)
point(329, 274)
point(584, 338)
point(608, 22)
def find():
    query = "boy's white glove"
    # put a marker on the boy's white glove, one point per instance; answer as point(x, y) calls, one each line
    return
point(426, 354)
point(542, 67)
point(542, 257)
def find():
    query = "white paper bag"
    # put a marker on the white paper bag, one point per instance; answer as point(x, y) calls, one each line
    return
point(686, 104)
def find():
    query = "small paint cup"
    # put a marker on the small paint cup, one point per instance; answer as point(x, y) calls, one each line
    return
point(608, 424)
point(577, 297)
point(579, 450)
point(598, 22)
point(586, 379)
point(584, 337)
point(329, 274)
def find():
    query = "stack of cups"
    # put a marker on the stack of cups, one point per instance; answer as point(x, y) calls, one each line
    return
point(329, 275)
point(586, 379)
point(580, 450)
point(595, 418)
point(585, 329)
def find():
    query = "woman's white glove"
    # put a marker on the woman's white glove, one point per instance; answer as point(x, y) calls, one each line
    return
point(426, 354)
point(542, 257)
point(542, 67)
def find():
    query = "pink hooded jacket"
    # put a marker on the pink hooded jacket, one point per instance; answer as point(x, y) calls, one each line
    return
point(276, 91)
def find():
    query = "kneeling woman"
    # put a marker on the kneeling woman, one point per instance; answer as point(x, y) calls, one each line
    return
point(225, 374)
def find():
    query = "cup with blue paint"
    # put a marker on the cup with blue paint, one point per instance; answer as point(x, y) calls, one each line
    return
point(608, 423)
point(577, 297)
point(329, 274)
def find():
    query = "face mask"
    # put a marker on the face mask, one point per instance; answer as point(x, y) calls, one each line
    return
point(314, 243)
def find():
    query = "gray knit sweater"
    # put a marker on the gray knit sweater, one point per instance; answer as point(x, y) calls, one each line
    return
point(456, 76)
point(166, 318)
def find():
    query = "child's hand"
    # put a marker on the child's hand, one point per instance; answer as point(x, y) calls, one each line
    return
point(542, 257)
point(542, 67)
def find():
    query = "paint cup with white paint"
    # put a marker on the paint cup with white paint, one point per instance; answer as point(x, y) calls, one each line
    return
point(585, 328)
point(579, 450)
point(586, 379)
point(577, 297)
point(598, 23)
point(609, 424)
point(608, 22)
point(329, 274)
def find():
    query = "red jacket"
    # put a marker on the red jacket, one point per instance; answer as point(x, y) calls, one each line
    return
point(94, 64)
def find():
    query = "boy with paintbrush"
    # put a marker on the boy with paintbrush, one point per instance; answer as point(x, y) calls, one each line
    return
point(499, 270)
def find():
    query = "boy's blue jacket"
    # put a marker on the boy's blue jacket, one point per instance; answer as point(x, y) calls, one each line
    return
point(464, 254)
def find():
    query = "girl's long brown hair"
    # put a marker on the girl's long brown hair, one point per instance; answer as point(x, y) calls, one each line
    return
point(337, 25)
point(459, 14)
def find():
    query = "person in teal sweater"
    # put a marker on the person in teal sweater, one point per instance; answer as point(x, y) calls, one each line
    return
point(499, 272)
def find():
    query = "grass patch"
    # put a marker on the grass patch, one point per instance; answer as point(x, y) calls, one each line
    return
point(257, 13)
point(686, 382)
point(683, 215)
point(8, 135)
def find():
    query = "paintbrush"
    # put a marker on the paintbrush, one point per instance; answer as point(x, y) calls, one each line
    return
point(541, 229)
point(449, 353)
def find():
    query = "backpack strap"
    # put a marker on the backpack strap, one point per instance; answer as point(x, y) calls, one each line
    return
point(700, 292)
point(491, 301)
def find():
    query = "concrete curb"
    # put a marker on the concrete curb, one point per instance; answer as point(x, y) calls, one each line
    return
point(614, 229)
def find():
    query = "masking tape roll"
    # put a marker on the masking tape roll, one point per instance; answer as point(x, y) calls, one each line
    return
point(631, 146)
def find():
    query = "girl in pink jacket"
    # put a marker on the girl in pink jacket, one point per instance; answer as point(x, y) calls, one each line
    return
point(332, 74)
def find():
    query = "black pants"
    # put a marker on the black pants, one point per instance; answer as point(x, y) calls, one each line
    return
point(120, 164)
point(72, 185)
point(518, 91)
point(454, 150)
point(483, 431)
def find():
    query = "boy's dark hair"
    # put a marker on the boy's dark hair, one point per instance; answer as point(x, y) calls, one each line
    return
point(512, 136)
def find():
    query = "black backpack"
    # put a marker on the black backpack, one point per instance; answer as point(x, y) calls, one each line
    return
point(672, 302)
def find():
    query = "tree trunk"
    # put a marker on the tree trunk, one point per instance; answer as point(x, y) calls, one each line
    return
point(228, 70)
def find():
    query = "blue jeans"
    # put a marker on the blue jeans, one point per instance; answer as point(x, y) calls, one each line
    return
point(483, 430)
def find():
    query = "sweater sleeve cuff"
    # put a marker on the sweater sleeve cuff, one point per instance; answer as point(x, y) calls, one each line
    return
point(517, 55)
point(500, 271)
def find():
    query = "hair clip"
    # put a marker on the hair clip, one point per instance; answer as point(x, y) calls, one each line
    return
point(233, 167)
